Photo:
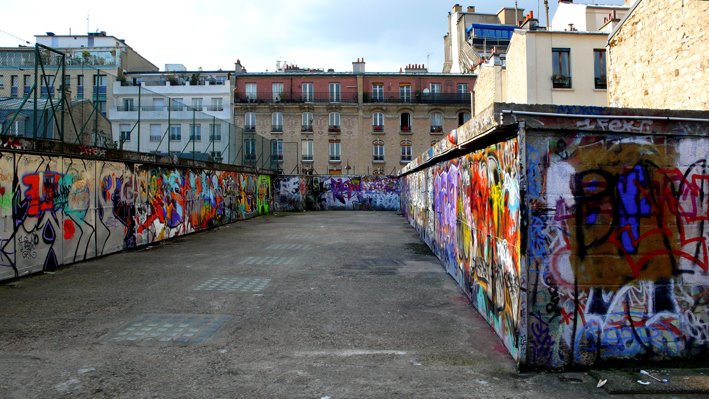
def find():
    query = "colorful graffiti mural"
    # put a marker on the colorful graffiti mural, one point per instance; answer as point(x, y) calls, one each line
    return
point(467, 211)
point(617, 248)
point(60, 210)
point(609, 259)
point(295, 193)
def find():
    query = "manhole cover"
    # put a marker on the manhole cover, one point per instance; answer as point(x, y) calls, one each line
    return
point(234, 284)
point(169, 329)
point(268, 260)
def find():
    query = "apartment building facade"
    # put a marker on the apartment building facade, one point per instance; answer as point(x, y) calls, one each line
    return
point(181, 112)
point(349, 122)
point(93, 62)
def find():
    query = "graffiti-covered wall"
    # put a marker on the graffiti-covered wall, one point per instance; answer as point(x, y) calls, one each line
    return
point(467, 211)
point(578, 246)
point(618, 257)
point(295, 193)
point(60, 210)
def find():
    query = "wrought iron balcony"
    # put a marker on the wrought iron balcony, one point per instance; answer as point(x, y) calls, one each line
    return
point(421, 98)
point(317, 97)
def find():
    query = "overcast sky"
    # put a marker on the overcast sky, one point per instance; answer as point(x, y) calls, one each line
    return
point(213, 34)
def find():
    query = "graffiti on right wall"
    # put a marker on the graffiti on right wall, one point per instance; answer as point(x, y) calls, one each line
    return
point(617, 248)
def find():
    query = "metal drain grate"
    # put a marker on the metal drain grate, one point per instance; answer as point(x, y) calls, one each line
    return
point(268, 260)
point(234, 284)
point(169, 329)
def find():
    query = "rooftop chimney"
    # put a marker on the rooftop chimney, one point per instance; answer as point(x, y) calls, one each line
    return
point(358, 66)
point(457, 8)
point(471, 9)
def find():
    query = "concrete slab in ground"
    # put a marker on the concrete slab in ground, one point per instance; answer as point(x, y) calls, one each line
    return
point(354, 307)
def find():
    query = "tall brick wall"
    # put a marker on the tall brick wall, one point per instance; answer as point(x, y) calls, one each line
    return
point(658, 57)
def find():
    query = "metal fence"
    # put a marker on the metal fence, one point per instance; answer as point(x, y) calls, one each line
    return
point(110, 113)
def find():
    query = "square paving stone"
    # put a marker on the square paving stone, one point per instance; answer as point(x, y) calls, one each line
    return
point(166, 329)
point(234, 284)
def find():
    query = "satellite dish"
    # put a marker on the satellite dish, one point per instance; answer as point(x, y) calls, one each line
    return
point(426, 91)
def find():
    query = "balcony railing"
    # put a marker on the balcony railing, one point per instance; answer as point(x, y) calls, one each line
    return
point(423, 98)
point(277, 128)
point(405, 128)
point(317, 97)
point(378, 128)
point(436, 129)
point(333, 129)
point(249, 129)
point(128, 108)
point(306, 128)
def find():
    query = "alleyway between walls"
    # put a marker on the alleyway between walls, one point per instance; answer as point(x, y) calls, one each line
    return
point(339, 304)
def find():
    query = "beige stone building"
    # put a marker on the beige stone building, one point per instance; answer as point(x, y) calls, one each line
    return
point(326, 122)
point(560, 65)
point(659, 56)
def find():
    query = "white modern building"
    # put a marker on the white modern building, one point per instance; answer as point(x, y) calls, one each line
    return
point(562, 65)
point(188, 113)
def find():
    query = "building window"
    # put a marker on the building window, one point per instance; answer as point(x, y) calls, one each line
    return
point(128, 105)
point(124, 129)
point(463, 117)
point(176, 104)
point(335, 93)
point(195, 132)
point(175, 132)
point(405, 151)
point(251, 94)
point(307, 92)
point(250, 150)
point(405, 92)
point(334, 122)
point(80, 87)
point(377, 92)
point(215, 132)
point(67, 81)
point(435, 90)
point(405, 122)
point(436, 122)
point(306, 122)
point(334, 150)
point(462, 91)
point(158, 104)
point(378, 151)
point(561, 68)
point(197, 104)
point(250, 122)
point(277, 122)
point(155, 132)
point(277, 92)
point(13, 85)
point(307, 150)
point(27, 84)
point(46, 86)
point(216, 104)
point(378, 122)
point(599, 69)
point(277, 150)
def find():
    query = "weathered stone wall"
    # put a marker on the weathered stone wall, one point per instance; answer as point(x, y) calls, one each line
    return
point(658, 57)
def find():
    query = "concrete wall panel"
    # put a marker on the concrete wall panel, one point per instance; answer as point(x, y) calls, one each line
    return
point(61, 210)
point(617, 248)
point(295, 193)
point(467, 210)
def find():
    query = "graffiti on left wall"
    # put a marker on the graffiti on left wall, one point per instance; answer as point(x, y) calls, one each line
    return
point(58, 210)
